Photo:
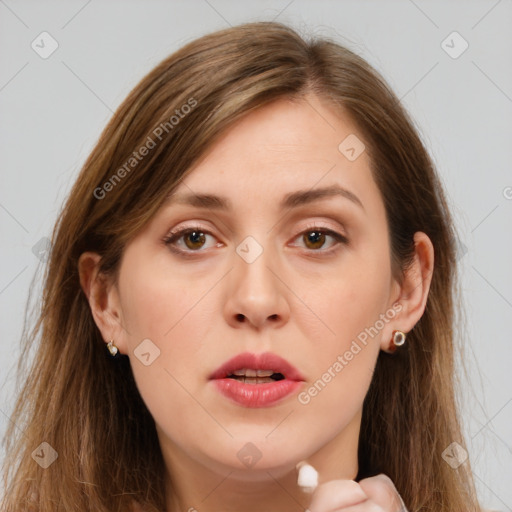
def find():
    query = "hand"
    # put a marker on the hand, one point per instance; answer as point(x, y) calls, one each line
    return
point(374, 494)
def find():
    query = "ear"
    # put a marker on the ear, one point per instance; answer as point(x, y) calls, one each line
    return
point(412, 294)
point(103, 299)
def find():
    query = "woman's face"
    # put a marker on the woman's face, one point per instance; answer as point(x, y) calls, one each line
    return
point(263, 274)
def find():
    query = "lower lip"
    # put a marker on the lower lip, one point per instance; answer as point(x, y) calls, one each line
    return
point(256, 395)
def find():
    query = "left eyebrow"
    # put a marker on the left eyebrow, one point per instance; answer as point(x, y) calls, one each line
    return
point(291, 200)
point(301, 197)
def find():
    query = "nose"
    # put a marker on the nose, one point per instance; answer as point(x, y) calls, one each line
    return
point(257, 293)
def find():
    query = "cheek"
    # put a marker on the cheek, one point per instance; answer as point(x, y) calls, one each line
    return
point(342, 370)
point(349, 309)
point(160, 305)
point(176, 313)
point(348, 352)
point(348, 302)
point(172, 312)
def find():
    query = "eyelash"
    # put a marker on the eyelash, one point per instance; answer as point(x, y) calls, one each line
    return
point(173, 236)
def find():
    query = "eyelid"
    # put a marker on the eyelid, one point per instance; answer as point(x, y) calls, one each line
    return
point(340, 238)
point(176, 234)
point(321, 225)
point(191, 227)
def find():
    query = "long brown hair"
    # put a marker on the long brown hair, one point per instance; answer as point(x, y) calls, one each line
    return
point(86, 405)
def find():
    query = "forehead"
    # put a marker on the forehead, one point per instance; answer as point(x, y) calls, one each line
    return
point(285, 151)
point(303, 130)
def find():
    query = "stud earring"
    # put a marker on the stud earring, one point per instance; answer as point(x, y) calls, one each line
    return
point(397, 340)
point(112, 348)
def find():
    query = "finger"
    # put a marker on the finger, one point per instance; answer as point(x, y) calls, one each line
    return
point(382, 491)
point(335, 494)
point(367, 506)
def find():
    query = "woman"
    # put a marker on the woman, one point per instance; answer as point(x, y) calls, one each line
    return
point(253, 240)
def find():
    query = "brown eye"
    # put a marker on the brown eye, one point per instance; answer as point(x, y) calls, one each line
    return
point(315, 238)
point(194, 239)
point(188, 240)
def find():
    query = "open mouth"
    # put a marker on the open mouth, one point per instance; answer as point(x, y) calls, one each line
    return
point(257, 380)
point(256, 376)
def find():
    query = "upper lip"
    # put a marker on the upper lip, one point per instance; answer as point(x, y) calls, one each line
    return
point(264, 361)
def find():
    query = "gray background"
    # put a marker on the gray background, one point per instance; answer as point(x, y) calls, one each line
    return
point(52, 112)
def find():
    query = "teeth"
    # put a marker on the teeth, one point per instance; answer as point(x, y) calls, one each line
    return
point(253, 373)
point(258, 381)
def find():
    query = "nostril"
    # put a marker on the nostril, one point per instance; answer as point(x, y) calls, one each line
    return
point(240, 317)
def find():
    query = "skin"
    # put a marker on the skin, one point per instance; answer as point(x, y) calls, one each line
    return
point(297, 301)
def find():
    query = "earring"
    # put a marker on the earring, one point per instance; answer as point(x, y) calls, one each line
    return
point(112, 348)
point(397, 340)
